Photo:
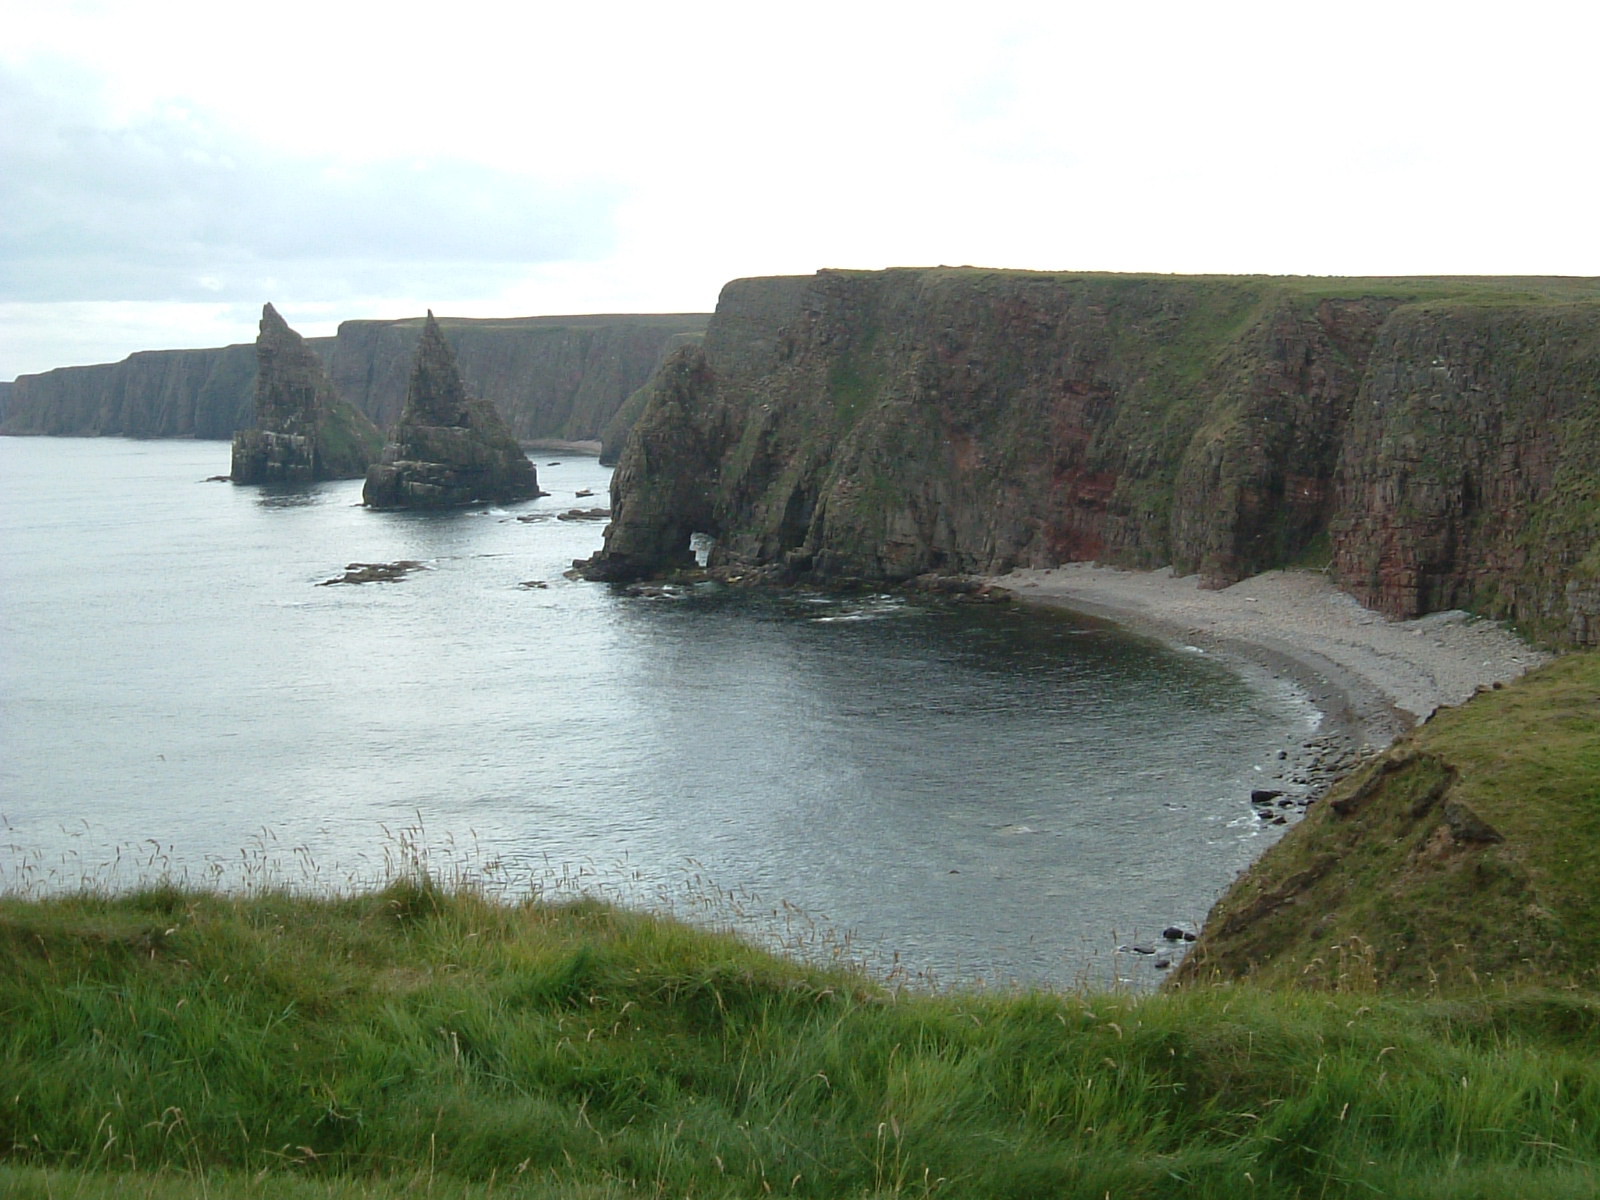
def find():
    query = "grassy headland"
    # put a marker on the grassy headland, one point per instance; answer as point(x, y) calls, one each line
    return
point(427, 1040)
point(422, 1041)
point(1465, 856)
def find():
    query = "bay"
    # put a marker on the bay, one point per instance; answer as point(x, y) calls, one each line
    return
point(955, 793)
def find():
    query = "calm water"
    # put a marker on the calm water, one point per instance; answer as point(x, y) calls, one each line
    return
point(983, 793)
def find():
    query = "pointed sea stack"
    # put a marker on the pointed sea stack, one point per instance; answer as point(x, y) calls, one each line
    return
point(303, 430)
point(448, 448)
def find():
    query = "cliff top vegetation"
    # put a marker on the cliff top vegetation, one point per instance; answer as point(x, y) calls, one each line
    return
point(1465, 856)
point(1490, 288)
point(427, 1040)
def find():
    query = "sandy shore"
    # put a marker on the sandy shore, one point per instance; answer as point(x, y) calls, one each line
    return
point(1372, 678)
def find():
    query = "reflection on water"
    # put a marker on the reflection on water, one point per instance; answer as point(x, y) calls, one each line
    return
point(970, 791)
point(288, 496)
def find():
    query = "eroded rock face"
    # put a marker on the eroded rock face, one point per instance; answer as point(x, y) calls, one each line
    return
point(1438, 435)
point(884, 425)
point(448, 448)
point(303, 431)
point(1469, 476)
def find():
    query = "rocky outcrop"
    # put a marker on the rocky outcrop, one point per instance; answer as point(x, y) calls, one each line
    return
point(303, 430)
point(557, 378)
point(448, 448)
point(884, 425)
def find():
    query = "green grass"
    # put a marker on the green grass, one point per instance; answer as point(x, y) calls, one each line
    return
point(421, 1040)
point(1387, 880)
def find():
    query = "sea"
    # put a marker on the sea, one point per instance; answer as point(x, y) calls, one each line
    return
point(947, 794)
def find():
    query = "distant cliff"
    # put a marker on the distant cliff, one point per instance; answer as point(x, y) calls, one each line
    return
point(1434, 438)
point(552, 377)
point(155, 393)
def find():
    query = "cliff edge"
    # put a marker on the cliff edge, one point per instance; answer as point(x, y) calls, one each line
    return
point(1424, 436)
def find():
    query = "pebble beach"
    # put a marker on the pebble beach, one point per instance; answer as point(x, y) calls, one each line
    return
point(1372, 677)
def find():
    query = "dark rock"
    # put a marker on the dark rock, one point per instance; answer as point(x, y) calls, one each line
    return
point(390, 572)
point(1143, 949)
point(1172, 933)
point(448, 449)
point(1162, 963)
point(303, 430)
point(1264, 795)
point(585, 514)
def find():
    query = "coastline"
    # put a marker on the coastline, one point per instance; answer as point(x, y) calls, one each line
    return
point(1371, 678)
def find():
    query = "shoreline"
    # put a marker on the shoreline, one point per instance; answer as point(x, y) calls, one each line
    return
point(1370, 678)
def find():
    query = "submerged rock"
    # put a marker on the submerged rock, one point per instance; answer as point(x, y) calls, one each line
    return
point(390, 572)
point(303, 430)
point(449, 448)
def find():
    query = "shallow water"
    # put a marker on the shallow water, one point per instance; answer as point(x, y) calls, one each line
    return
point(971, 792)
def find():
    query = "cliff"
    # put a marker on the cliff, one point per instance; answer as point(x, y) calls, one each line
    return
point(883, 425)
point(303, 429)
point(448, 448)
point(553, 377)
point(155, 393)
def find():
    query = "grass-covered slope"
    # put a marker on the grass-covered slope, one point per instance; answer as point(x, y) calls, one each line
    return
point(1468, 854)
point(417, 1041)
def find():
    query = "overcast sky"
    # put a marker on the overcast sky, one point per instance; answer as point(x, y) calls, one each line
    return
point(166, 166)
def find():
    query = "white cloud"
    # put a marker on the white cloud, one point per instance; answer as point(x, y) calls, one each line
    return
point(488, 157)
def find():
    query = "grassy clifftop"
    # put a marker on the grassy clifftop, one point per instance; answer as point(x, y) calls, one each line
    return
point(1466, 855)
point(419, 1041)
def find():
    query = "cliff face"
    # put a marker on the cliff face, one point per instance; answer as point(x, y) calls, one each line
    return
point(552, 377)
point(155, 393)
point(448, 448)
point(881, 425)
point(1470, 473)
point(303, 429)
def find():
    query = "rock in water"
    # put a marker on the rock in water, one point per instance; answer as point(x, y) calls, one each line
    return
point(303, 430)
point(448, 448)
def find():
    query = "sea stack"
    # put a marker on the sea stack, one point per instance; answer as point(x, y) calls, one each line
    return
point(303, 430)
point(448, 448)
